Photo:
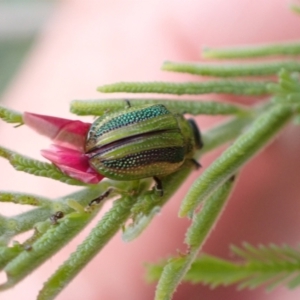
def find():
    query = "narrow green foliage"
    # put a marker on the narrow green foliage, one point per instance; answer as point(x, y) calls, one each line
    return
point(96, 240)
point(24, 199)
point(251, 128)
point(267, 254)
point(214, 271)
point(135, 229)
point(36, 167)
point(287, 90)
point(270, 266)
point(10, 116)
point(12, 226)
point(8, 253)
point(232, 70)
point(253, 51)
point(252, 88)
point(232, 159)
point(224, 132)
point(206, 269)
point(196, 107)
point(165, 287)
point(45, 246)
point(22, 259)
point(202, 224)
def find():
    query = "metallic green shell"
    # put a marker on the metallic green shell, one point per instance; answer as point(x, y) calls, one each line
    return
point(140, 142)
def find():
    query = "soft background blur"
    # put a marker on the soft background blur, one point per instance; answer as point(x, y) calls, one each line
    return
point(71, 47)
point(20, 23)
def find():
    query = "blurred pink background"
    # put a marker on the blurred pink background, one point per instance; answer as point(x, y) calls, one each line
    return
point(85, 44)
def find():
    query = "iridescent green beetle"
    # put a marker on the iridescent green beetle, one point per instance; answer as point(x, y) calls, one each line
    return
point(140, 142)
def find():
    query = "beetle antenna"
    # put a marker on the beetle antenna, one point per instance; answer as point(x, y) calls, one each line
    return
point(101, 197)
point(128, 103)
point(196, 163)
point(158, 185)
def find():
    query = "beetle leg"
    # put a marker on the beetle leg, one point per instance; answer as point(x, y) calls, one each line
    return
point(196, 164)
point(27, 247)
point(56, 216)
point(101, 197)
point(128, 103)
point(158, 186)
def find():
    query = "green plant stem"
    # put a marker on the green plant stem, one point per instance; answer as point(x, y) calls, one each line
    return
point(36, 167)
point(45, 246)
point(96, 240)
point(24, 199)
point(252, 88)
point(228, 164)
point(203, 222)
point(10, 116)
point(253, 51)
point(224, 133)
point(101, 106)
point(214, 271)
point(23, 222)
point(232, 70)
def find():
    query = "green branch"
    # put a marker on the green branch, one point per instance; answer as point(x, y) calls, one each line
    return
point(202, 224)
point(251, 128)
point(14, 225)
point(44, 247)
point(233, 158)
point(36, 167)
point(96, 240)
point(10, 116)
point(253, 88)
point(253, 51)
point(24, 199)
point(270, 266)
point(196, 107)
point(232, 70)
